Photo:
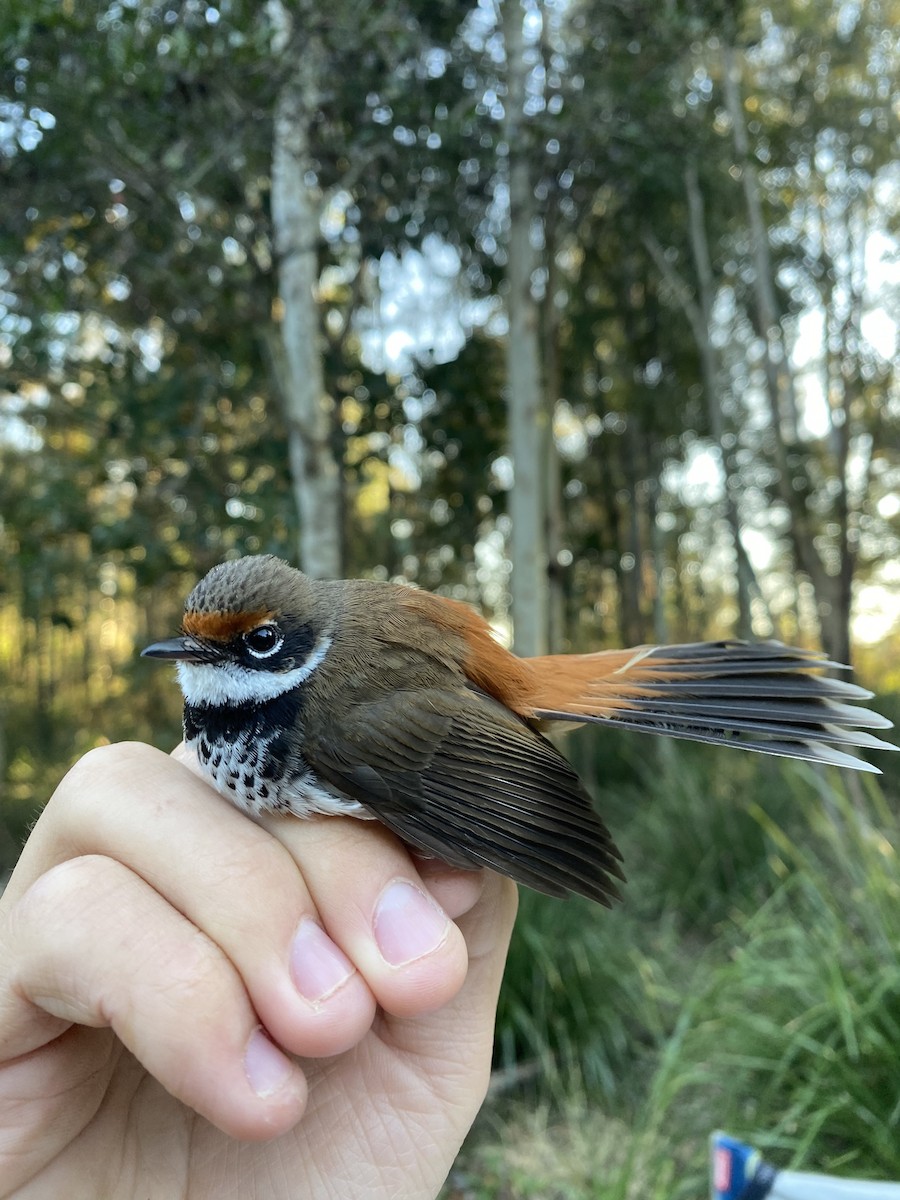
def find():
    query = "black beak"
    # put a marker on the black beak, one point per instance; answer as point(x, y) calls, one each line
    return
point(181, 649)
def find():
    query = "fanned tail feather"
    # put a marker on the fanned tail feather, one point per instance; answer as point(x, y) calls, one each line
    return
point(752, 696)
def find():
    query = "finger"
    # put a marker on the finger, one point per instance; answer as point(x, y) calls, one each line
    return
point(376, 907)
point(389, 909)
point(230, 878)
point(451, 1050)
point(92, 944)
point(454, 889)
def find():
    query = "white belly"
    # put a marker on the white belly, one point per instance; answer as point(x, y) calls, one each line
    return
point(235, 769)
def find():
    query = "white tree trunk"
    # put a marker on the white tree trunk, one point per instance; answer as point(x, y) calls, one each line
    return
point(746, 580)
point(527, 415)
point(315, 472)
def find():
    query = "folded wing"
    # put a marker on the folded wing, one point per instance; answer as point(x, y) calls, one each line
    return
point(460, 777)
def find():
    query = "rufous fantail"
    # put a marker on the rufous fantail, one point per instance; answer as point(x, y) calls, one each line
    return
point(377, 700)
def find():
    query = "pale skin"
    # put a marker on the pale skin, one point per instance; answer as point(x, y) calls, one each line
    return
point(193, 1005)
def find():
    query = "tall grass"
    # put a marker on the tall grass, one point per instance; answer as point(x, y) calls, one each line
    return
point(751, 981)
point(797, 1033)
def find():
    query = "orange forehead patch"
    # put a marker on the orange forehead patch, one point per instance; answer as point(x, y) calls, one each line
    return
point(222, 626)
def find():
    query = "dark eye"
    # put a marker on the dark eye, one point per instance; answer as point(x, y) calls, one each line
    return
point(263, 641)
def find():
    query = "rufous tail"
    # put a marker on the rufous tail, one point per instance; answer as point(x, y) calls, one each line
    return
point(754, 696)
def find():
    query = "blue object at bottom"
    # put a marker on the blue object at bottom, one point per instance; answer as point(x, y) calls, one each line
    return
point(737, 1170)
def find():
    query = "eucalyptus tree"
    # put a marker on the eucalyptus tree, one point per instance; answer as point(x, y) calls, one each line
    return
point(807, 103)
point(144, 428)
point(756, 177)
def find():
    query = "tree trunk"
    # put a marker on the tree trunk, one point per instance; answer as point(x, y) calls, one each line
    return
point(698, 310)
point(315, 472)
point(658, 553)
point(842, 374)
point(556, 518)
point(527, 414)
point(780, 389)
point(633, 569)
point(634, 468)
point(746, 579)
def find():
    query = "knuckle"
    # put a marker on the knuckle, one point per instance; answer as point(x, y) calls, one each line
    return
point(85, 787)
point(70, 886)
point(111, 760)
point(63, 902)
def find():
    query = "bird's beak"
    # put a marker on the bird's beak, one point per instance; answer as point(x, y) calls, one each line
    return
point(181, 649)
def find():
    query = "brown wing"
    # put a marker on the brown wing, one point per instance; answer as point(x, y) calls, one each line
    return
point(458, 776)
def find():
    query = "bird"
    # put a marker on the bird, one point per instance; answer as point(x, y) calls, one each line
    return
point(379, 700)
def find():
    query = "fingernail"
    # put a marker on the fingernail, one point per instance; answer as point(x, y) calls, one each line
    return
point(408, 924)
point(318, 967)
point(266, 1067)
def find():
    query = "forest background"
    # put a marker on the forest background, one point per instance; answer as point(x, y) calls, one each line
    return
point(582, 310)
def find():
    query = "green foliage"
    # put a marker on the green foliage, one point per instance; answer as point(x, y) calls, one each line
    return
point(587, 995)
point(797, 1035)
point(138, 281)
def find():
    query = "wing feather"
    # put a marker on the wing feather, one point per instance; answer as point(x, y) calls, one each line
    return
point(480, 788)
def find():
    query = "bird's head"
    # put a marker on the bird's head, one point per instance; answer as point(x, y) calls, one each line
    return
point(252, 629)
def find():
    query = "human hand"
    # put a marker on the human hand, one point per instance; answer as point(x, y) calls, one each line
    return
point(155, 944)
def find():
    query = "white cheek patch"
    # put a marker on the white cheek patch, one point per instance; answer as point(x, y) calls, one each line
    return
point(231, 684)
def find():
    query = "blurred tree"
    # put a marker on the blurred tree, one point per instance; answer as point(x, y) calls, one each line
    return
point(145, 425)
point(159, 236)
point(296, 218)
point(614, 143)
point(140, 440)
point(527, 402)
point(809, 177)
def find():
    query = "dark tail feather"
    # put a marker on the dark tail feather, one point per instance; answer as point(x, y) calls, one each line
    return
point(758, 697)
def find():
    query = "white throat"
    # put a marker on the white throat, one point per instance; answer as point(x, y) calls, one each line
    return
point(231, 684)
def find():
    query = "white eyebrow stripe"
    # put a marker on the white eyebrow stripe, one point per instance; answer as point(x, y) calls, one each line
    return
point(231, 684)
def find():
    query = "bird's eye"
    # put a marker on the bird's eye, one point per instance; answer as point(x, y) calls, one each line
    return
point(263, 641)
